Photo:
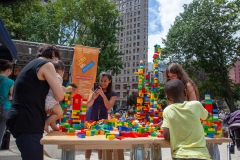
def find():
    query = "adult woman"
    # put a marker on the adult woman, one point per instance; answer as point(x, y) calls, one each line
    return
point(6, 91)
point(99, 102)
point(27, 116)
point(175, 71)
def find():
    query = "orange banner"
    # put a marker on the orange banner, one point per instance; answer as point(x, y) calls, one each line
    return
point(85, 62)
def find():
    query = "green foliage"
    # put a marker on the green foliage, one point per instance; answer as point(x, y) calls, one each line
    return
point(68, 22)
point(132, 100)
point(203, 37)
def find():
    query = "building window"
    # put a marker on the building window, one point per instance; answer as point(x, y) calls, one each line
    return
point(118, 94)
point(117, 86)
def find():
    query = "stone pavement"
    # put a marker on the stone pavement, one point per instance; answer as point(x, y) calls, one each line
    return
point(14, 154)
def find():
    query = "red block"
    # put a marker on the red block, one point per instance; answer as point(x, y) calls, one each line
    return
point(208, 107)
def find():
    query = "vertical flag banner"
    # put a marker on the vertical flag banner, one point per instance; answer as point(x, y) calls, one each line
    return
point(84, 68)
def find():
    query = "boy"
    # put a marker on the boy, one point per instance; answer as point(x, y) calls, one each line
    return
point(181, 124)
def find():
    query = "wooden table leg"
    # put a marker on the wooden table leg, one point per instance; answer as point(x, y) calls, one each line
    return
point(120, 154)
point(107, 154)
point(156, 152)
point(139, 152)
point(68, 152)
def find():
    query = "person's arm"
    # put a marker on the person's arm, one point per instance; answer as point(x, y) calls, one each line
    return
point(47, 72)
point(108, 103)
point(166, 133)
point(10, 93)
point(93, 95)
point(67, 89)
point(191, 95)
point(204, 115)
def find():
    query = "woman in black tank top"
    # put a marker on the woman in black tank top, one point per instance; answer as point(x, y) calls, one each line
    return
point(26, 118)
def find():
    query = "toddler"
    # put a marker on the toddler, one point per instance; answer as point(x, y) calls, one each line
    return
point(52, 106)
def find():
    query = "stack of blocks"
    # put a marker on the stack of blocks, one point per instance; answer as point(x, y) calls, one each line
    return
point(148, 109)
point(67, 111)
point(141, 90)
point(212, 126)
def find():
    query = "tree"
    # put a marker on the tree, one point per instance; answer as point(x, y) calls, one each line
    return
point(132, 99)
point(68, 22)
point(14, 13)
point(203, 37)
point(102, 33)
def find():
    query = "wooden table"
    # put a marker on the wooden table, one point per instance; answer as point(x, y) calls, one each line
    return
point(68, 144)
point(159, 143)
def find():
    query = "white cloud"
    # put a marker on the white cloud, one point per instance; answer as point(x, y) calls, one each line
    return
point(165, 14)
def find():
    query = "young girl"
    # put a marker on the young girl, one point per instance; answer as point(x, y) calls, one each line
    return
point(175, 71)
point(99, 102)
point(52, 106)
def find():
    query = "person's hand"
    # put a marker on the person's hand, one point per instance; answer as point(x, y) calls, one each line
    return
point(100, 91)
point(95, 94)
point(49, 111)
point(69, 89)
point(10, 97)
point(160, 124)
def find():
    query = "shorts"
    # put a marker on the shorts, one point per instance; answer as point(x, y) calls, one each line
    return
point(50, 102)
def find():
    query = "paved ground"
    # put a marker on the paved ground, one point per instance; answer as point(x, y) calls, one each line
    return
point(14, 154)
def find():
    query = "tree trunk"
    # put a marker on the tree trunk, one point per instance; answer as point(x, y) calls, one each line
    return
point(229, 99)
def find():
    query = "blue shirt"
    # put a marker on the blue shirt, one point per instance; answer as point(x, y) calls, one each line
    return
point(4, 91)
point(98, 110)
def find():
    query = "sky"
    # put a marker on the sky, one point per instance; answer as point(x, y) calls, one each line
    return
point(162, 14)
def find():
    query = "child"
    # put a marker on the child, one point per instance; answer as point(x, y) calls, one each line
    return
point(117, 115)
point(51, 105)
point(130, 115)
point(181, 124)
point(74, 88)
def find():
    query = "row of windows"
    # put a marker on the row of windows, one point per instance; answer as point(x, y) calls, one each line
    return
point(134, 38)
point(126, 79)
point(134, 44)
point(130, 14)
point(124, 94)
point(123, 86)
point(128, 71)
point(130, 51)
point(133, 57)
point(130, 3)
